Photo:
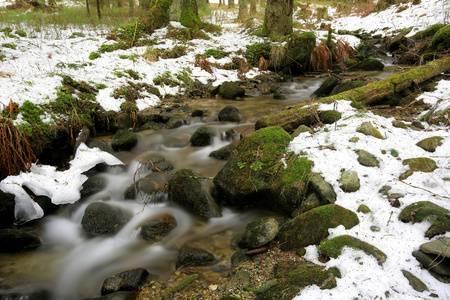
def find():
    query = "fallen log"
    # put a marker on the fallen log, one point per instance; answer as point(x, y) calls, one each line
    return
point(367, 95)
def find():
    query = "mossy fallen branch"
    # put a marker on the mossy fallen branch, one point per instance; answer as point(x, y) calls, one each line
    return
point(367, 95)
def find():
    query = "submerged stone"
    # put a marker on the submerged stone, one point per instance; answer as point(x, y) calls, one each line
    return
point(129, 280)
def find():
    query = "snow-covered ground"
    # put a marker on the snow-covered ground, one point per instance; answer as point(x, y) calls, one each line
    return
point(29, 72)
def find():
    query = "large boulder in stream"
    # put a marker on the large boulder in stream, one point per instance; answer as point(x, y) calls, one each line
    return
point(260, 173)
point(102, 219)
point(188, 191)
point(129, 280)
point(7, 204)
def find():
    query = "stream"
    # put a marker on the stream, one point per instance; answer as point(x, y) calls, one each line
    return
point(70, 264)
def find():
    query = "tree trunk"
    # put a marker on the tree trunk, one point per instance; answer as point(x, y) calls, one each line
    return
point(243, 11)
point(189, 14)
point(252, 7)
point(278, 17)
point(367, 95)
point(99, 14)
point(130, 6)
point(157, 15)
point(87, 8)
point(230, 3)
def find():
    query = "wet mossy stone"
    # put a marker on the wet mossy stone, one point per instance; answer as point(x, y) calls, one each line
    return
point(291, 277)
point(158, 228)
point(333, 248)
point(430, 144)
point(175, 122)
point(326, 87)
point(100, 219)
point(278, 96)
point(194, 256)
point(239, 257)
point(203, 136)
point(350, 182)
point(441, 40)
point(101, 144)
point(229, 114)
point(92, 186)
point(16, 240)
point(7, 204)
point(427, 211)
point(414, 282)
point(311, 227)
point(301, 129)
point(346, 86)
point(399, 39)
point(224, 152)
point(329, 116)
point(418, 164)
point(147, 186)
point(367, 159)
point(366, 128)
point(129, 280)
point(188, 191)
point(258, 233)
point(260, 173)
point(322, 189)
point(370, 64)
point(123, 140)
point(231, 90)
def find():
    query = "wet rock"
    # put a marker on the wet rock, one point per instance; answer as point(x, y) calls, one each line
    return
point(129, 280)
point(431, 143)
point(418, 164)
point(370, 64)
point(148, 185)
point(366, 128)
point(239, 257)
point(92, 186)
point(231, 134)
point(398, 40)
point(258, 233)
point(433, 263)
point(322, 189)
point(187, 190)
point(427, 211)
point(414, 282)
point(249, 178)
point(278, 96)
point(350, 182)
point(417, 125)
point(175, 122)
point(16, 240)
point(102, 219)
point(123, 140)
point(102, 145)
point(25, 292)
point(231, 90)
point(301, 129)
point(440, 247)
point(367, 159)
point(364, 209)
point(202, 137)
point(153, 125)
point(346, 86)
point(46, 204)
point(329, 116)
point(155, 230)
point(154, 162)
point(311, 227)
point(332, 248)
point(224, 152)
point(7, 204)
point(197, 113)
point(194, 256)
point(229, 114)
point(292, 277)
point(123, 295)
point(326, 87)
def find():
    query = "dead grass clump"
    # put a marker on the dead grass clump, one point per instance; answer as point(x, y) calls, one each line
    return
point(176, 52)
point(262, 64)
point(321, 58)
point(203, 63)
point(343, 52)
point(16, 153)
point(152, 54)
point(277, 56)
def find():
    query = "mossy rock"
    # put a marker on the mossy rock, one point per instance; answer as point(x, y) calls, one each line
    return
point(224, 152)
point(258, 233)
point(367, 128)
point(15, 240)
point(367, 159)
point(175, 122)
point(301, 129)
point(346, 86)
point(414, 282)
point(369, 64)
point(186, 190)
point(364, 209)
point(322, 189)
point(7, 204)
point(329, 116)
point(333, 248)
point(350, 182)
point(231, 90)
point(299, 49)
point(101, 219)
point(430, 144)
point(291, 277)
point(93, 185)
point(311, 227)
point(256, 51)
point(203, 136)
point(428, 32)
point(194, 256)
point(427, 211)
point(129, 280)
point(158, 228)
point(326, 87)
point(260, 174)
point(441, 40)
point(398, 40)
point(123, 140)
point(147, 186)
point(418, 164)
point(229, 114)
point(399, 124)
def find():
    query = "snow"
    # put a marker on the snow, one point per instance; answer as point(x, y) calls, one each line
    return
point(61, 187)
point(30, 73)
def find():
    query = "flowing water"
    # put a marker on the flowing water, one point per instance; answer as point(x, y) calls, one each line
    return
point(68, 263)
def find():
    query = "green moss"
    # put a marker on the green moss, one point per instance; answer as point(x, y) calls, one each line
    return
point(429, 32)
point(94, 55)
point(217, 53)
point(329, 116)
point(9, 45)
point(256, 51)
point(113, 47)
point(165, 79)
point(441, 40)
point(21, 33)
point(186, 34)
point(188, 17)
